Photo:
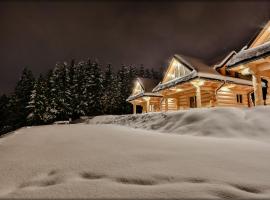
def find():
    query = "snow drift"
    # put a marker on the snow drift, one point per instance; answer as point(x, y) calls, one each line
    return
point(109, 161)
point(218, 122)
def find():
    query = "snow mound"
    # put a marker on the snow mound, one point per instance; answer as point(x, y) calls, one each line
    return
point(117, 162)
point(218, 122)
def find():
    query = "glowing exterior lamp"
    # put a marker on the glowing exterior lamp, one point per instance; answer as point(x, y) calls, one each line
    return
point(197, 83)
point(146, 98)
point(225, 89)
point(245, 71)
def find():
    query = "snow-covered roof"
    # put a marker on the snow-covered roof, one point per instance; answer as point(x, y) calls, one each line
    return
point(195, 64)
point(225, 60)
point(147, 86)
point(147, 83)
point(250, 54)
point(174, 82)
point(199, 70)
point(225, 78)
point(143, 94)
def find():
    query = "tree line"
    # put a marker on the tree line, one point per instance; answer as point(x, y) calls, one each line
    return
point(70, 90)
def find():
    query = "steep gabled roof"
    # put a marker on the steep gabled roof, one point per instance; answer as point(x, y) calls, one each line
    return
point(262, 31)
point(250, 54)
point(195, 64)
point(257, 48)
point(196, 67)
point(225, 60)
point(147, 85)
point(198, 70)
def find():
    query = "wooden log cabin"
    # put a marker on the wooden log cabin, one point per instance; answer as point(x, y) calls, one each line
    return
point(189, 83)
point(142, 97)
point(254, 61)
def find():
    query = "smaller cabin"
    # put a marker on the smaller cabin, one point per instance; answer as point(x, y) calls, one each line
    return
point(143, 97)
point(254, 61)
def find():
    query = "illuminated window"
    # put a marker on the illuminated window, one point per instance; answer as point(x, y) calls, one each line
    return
point(138, 88)
point(177, 70)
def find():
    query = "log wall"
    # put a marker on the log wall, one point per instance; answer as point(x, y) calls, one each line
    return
point(229, 98)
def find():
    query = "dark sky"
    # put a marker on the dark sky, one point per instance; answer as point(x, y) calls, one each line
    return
point(38, 34)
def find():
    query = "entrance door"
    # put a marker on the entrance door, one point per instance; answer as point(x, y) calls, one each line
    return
point(139, 109)
point(193, 102)
point(264, 90)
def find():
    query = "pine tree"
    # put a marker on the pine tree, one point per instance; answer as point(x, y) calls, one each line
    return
point(4, 114)
point(80, 92)
point(60, 93)
point(49, 115)
point(38, 103)
point(141, 71)
point(96, 89)
point(124, 89)
point(19, 102)
point(87, 85)
point(160, 73)
point(147, 74)
point(109, 97)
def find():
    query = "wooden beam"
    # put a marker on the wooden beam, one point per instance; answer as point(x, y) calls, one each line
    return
point(257, 84)
point(263, 67)
point(147, 106)
point(134, 108)
point(166, 104)
point(198, 96)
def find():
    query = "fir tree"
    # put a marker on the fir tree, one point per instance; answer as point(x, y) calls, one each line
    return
point(124, 89)
point(109, 98)
point(38, 103)
point(19, 102)
point(141, 71)
point(80, 89)
point(147, 74)
point(60, 93)
point(4, 114)
point(96, 89)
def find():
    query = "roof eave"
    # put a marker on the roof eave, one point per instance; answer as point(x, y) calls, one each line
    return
point(248, 60)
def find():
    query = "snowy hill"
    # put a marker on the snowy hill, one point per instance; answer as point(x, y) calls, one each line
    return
point(111, 161)
point(218, 122)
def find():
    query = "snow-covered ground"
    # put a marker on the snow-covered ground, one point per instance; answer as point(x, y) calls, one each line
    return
point(218, 122)
point(216, 153)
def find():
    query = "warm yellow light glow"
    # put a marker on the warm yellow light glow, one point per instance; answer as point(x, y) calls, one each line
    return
point(230, 86)
point(146, 98)
point(197, 82)
point(241, 67)
point(170, 100)
point(245, 71)
point(175, 63)
point(225, 89)
point(176, 89)
point(137, 88)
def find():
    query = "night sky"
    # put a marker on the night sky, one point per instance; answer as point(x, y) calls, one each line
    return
point(39, 34)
